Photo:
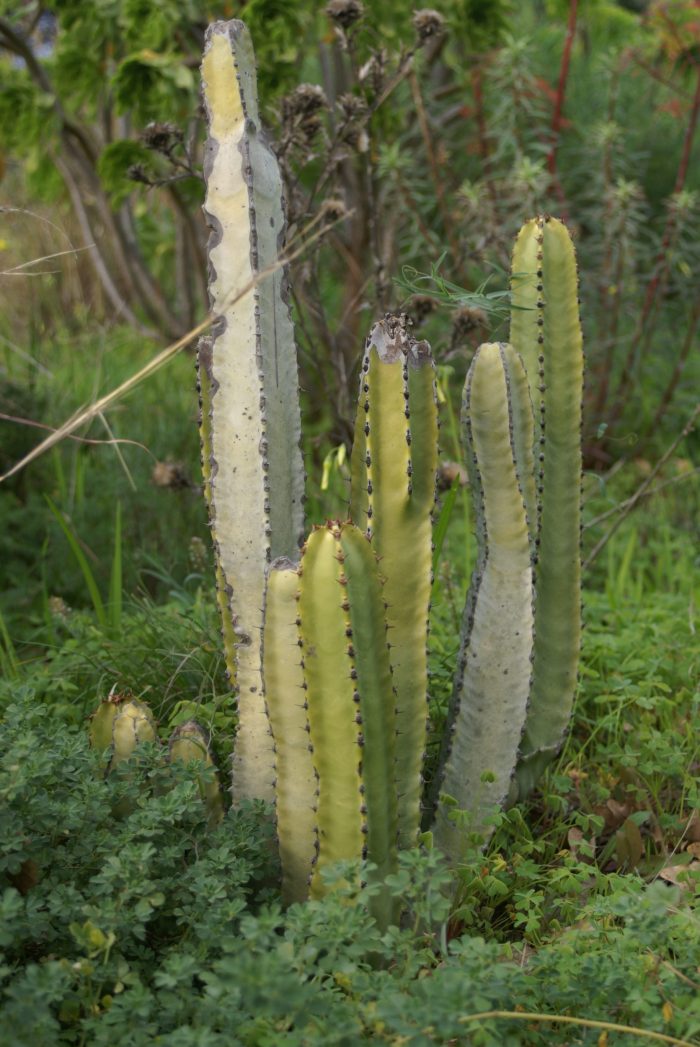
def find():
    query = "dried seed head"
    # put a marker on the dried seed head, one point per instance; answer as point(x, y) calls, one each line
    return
point(333, 210)
point(304, 100)
point(161, 137)
point(351, 106)
point(345, 12)
point(465, 322)
point(421, 306)
point(428, 24)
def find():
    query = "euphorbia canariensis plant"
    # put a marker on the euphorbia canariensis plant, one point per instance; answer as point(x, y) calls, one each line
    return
point(326, 639)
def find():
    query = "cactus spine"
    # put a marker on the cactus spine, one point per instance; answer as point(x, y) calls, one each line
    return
point(546, 331)
point(492, 681)
point(248, 376)
point(394, 461)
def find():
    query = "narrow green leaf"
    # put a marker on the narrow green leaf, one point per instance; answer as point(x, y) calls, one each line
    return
point(79, 555)
point(115, 581)
point(8, 657)
point(443, 522)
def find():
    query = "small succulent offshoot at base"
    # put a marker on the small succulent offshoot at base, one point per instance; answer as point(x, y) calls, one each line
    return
point(285, 693)
point(102, 722)
point(189, 743)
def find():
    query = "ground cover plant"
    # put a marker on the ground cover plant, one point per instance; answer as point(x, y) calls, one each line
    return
point(126, 919)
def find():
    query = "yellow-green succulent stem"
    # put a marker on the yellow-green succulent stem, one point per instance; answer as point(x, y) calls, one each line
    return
point(394, 462)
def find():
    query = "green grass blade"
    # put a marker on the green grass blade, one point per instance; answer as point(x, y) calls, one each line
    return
point(82, 563)
point(9, 662)
point(115, 581)
point(443, 522)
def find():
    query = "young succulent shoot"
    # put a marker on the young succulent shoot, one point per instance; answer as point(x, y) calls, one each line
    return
point(286, 696)
point(102, 721)
point(248, 379)
point(189, 743)
point(394, 466)
point(133, 725)
point(351, 706)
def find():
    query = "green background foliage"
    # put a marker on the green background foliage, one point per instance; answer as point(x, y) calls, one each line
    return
point(145, 928)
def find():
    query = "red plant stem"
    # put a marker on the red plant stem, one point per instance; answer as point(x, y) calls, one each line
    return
point(660, 265)
point(670, 390)
point(561, 88)
point(483, 138)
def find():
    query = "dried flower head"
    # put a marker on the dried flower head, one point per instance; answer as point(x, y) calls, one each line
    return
point(333, 210)
point(169, 474)
point(161, 136)
point(420, 308)
point(428, 24)
point(58, 608)
point(301, 114)
point(138, 173)
point(466, 321)
point(352, 106)
point(304, 100)
point(345, 12)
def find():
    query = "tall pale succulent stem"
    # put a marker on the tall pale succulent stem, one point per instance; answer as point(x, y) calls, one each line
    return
point(492, 683)
point(285, 693)
point(394, 462)
point(255, 468)
point(547, 333)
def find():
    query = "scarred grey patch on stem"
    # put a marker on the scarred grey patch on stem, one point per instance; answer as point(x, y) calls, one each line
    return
point(392, 339)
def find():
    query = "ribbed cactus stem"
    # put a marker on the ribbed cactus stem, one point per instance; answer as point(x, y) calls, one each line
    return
point(546, 331)
point(492, 681)
point(394, 462)
point(189, 743)
point(250, 377)
point(296, 787)
point(351, 706)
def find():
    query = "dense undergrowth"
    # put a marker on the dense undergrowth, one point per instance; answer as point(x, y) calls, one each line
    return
point(146, 928)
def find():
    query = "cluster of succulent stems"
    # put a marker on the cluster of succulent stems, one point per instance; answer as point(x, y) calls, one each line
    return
point(326, 637)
